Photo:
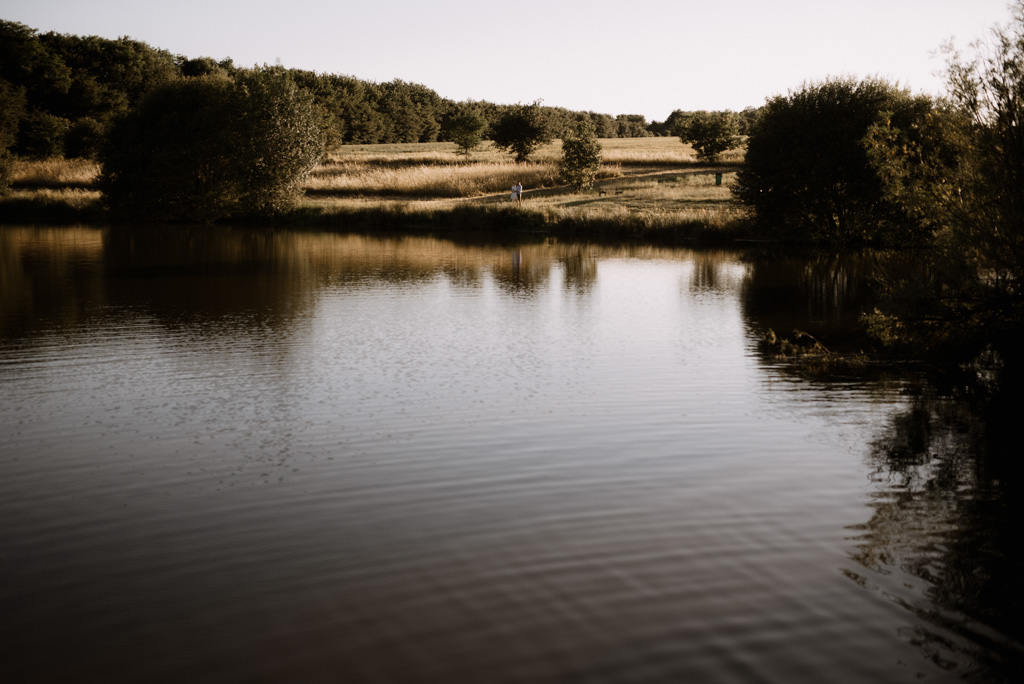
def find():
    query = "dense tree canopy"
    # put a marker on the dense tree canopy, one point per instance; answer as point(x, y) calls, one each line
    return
point(67, 79)
point(199, 149)
point(66, 90)
point(807, 172)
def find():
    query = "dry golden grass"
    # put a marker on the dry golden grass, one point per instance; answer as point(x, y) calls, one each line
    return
point(656, 152)
point(441, 181)
point(434, 153)
point(75, 198)
point(633, 151)
point(415, 169)
point(434, 170)
point(648, 184)
point(665, 200)
point(55, 173)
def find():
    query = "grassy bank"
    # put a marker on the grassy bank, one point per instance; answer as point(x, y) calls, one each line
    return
point(682, 203)
point(646, 186)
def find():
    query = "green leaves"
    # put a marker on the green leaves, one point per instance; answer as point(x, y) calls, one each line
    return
point(807, 171)
point(521, 130)
point(710, 133)
point(465, 129)
point(204, 148)
point(581, 156)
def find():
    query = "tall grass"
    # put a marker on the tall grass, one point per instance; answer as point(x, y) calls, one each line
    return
point(685, 199)
point(434, 170)
point(442, 181)
point(415, 169)
point(49, 205)
point(667, 151)
point(55, 173)
point(687, 205)
point(76, 198)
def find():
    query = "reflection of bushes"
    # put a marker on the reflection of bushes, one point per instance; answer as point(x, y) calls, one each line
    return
point(798, 343)
point(947, 513)
point(804, 348)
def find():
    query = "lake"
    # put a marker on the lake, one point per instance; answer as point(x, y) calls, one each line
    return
point(244, 455)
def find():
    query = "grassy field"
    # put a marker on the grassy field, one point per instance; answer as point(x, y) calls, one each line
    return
point(645, 185)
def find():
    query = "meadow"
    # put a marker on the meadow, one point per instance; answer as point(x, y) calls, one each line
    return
point(645, 185)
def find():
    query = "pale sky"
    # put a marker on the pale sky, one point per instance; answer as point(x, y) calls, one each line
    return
point(609, 56)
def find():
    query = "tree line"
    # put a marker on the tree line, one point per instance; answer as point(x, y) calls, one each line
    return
point(59, 94)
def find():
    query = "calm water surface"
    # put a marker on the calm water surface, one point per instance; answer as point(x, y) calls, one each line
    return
point(238, 456)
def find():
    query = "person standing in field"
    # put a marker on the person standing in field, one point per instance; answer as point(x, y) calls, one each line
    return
point(517, 192)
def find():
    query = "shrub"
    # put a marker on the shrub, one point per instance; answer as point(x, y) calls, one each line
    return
point(521, 130)
point(581, 156)
point(199, 149)
point(280, 136)
point(807, 172)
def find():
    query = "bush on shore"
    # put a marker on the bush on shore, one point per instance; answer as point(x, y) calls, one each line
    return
point(807, 172)
point(204, 148)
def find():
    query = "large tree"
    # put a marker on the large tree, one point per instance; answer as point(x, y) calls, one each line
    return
point(203, 148)
point(710, 133)
point(807, 172)
point(521, 129)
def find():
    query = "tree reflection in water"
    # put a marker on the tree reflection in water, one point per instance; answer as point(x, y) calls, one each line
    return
point(580, 268)
point(944, 539)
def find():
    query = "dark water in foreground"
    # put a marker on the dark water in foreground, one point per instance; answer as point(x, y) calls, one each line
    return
point(240, 456)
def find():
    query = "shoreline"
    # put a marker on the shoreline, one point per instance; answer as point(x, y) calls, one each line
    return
point(465, 218)
point(653, 205)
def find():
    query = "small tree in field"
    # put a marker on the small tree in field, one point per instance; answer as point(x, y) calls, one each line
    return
point(710, 133)
point(465, 129)
point(521, 130)
point(581, 156)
